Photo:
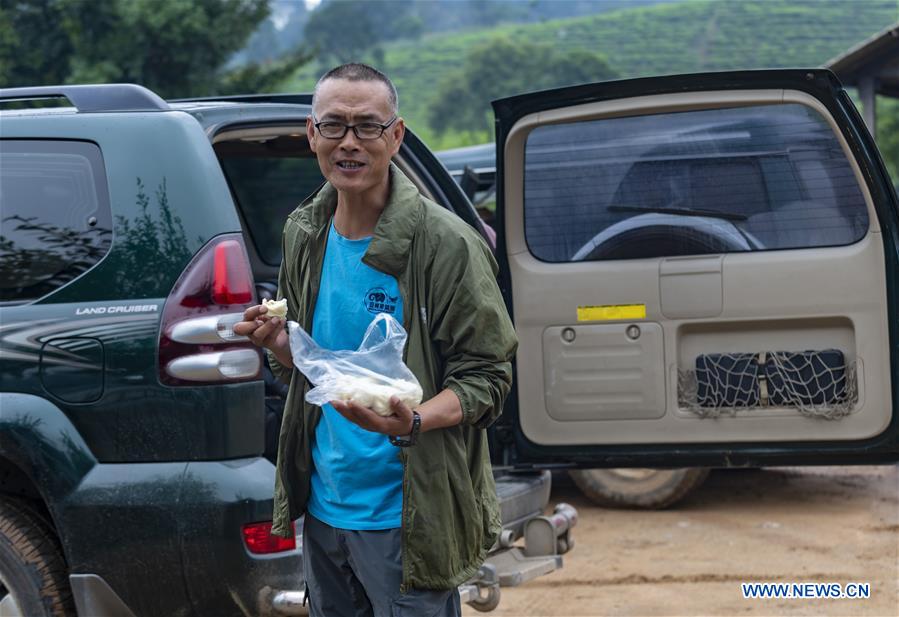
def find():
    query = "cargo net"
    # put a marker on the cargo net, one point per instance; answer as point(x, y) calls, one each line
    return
point(820, 384)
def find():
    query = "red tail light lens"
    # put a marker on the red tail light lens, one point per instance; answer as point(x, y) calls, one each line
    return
point(231, 280)
point(260, 541)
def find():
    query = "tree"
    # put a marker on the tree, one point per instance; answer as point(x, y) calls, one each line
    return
point(888, 134)
point(265, 76)
point(33, 46)
point(502, 67)
point(345, 30)
point(270, 43)
point(174, 47)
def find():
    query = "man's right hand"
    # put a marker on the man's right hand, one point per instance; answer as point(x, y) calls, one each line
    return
point(265, 331)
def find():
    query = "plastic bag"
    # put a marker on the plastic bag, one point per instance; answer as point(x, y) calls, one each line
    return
point(368, 376)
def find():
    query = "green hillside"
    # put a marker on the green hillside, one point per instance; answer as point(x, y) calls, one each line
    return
point(688, 36)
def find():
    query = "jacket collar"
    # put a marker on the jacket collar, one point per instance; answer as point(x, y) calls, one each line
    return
point(392, 237)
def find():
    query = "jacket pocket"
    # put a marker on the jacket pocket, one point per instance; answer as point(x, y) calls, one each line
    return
point(446, 531)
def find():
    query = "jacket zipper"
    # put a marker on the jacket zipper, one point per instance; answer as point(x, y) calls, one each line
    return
point(404, 587)
point(404, 454)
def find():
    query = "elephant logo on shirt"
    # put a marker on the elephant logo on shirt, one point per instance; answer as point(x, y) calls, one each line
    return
point(377, 300)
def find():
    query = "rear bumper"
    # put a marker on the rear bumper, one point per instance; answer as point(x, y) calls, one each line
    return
point(545, 539)
point(522, 496)
point(165, 539)
point(222, 576)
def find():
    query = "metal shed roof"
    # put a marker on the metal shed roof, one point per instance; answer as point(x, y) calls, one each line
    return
point(872, 66)
point(876, 57)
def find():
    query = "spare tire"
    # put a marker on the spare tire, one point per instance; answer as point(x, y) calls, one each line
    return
point(644, 489)
point(654, 241)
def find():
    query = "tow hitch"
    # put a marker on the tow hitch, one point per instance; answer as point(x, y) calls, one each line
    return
point(546, 539)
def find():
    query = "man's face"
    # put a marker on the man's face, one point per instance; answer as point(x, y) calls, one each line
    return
point(352, 165)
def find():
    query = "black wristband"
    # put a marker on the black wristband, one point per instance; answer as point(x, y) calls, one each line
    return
point(404, 441)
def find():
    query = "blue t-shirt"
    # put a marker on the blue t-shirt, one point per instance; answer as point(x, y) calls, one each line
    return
point(357, 479)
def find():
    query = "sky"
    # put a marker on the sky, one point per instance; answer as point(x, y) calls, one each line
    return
point(281, 10)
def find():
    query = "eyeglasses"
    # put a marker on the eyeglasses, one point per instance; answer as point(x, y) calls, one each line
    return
point(364, 130)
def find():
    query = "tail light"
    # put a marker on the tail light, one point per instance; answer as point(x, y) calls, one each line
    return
point(260, 541)
point(196, 342)
point(231, 280)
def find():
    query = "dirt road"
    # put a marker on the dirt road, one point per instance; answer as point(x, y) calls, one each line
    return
point(832, 524)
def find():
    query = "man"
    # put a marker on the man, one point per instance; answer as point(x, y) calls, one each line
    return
point(402, 509)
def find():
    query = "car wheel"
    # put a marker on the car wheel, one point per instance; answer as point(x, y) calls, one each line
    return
point(647, 489)
point(33, 572)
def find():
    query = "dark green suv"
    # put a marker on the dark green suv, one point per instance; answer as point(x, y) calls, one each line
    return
point(136, 430)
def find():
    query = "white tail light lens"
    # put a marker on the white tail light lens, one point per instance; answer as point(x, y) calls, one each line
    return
point(207, 330)
point(215, 366)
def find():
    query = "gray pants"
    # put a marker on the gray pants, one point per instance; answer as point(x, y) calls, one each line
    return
point(358, 574)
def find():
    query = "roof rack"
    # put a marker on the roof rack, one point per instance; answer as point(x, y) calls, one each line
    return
point(92, 98)
point(304, 98)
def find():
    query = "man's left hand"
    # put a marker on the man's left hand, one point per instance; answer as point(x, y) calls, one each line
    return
point(400, 423)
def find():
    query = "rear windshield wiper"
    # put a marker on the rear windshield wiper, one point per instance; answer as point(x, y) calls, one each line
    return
point(728, 216)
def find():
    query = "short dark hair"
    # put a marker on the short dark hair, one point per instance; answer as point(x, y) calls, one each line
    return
point(356, 71)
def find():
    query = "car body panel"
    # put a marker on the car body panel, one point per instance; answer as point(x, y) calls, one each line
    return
point(168, 199)
point(170, 171)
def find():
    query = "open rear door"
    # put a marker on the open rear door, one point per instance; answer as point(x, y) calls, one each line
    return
point(702, 270)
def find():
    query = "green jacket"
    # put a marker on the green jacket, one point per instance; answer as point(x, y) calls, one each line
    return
point(459, 337)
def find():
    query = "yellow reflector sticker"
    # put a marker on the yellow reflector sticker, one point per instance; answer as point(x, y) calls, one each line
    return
point(611, 311)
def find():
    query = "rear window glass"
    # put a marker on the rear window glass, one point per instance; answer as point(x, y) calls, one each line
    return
point(55, 220)
point(269, 180)
point(698, 182)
